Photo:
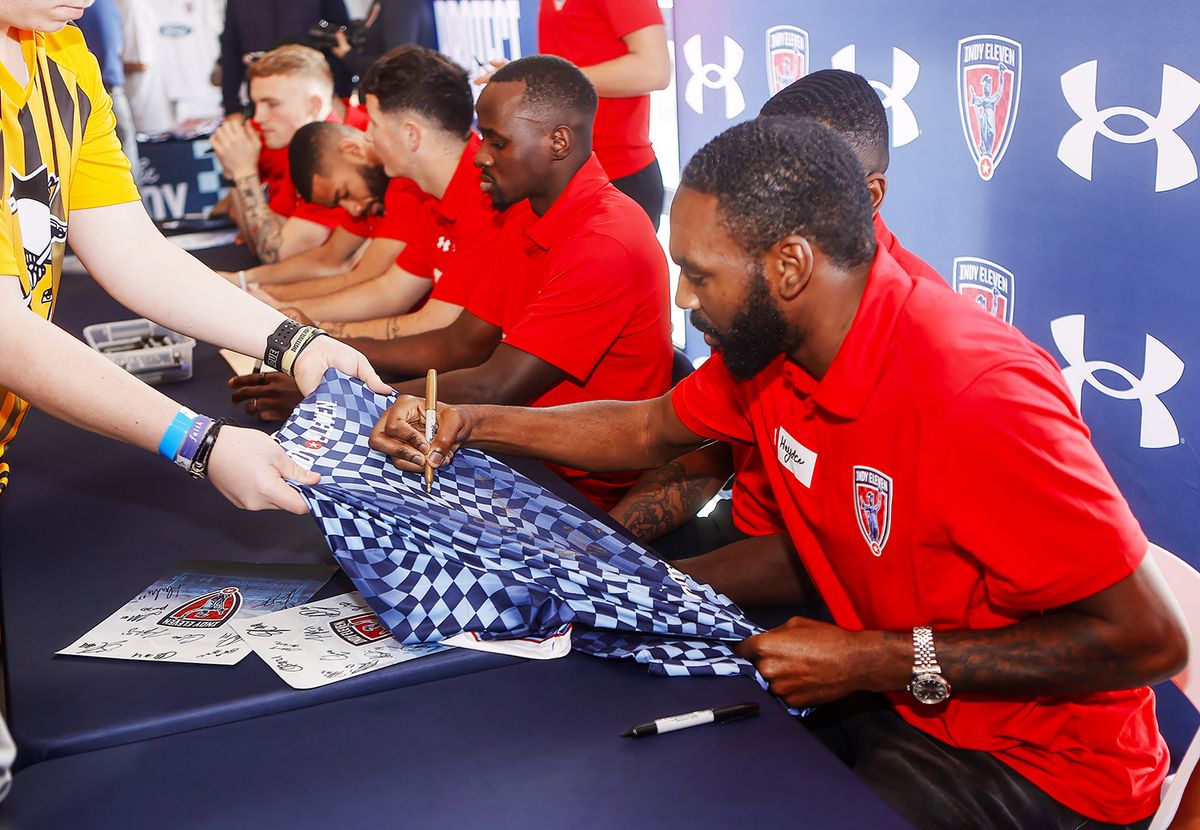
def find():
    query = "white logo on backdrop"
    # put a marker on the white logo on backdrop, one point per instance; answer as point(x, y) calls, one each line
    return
point(1162, 371)
point(1180, 100)
point(721, 76)
point(905, 71)
point(473, 32)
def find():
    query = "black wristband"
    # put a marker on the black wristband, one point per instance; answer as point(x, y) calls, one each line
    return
point(199, 466)
point(278, 343)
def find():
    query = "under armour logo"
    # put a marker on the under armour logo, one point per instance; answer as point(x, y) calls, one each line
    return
point(1162, 371)
point(444, 244)
point(905, 71)
point(1180, 100)
point(714, 76)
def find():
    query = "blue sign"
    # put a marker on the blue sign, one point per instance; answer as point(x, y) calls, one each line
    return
point(1051, 141)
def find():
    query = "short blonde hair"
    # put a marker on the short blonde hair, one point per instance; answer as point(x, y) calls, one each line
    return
point(292, 59)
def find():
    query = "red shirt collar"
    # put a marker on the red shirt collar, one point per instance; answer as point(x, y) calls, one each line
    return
point(856, 368)
point(464, 184)
point(883, 236)
point(547, 231)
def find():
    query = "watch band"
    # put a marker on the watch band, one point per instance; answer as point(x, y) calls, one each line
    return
point(924, 656)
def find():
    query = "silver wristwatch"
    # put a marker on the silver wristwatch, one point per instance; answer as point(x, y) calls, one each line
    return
point(927, 684)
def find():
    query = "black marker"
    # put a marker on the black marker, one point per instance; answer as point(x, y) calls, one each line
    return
point(671, 724)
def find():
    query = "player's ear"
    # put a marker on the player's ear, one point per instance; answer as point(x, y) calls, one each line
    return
point(351, 149)
point(789, 265)
point(562, 139)
point(877, 184)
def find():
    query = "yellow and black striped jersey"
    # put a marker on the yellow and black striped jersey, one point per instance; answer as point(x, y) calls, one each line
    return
point(59, 153)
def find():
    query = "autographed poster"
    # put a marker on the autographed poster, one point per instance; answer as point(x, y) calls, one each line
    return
point(326, 641)
point(186, 616)
point(338, 638)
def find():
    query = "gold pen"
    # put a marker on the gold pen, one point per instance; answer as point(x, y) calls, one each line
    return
point(430, 421)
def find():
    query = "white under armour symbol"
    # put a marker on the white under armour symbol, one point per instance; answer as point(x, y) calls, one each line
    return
point(1180, 100)
point(905, 71)
point(1162, 371)
point(444, 243)
point(714, 76)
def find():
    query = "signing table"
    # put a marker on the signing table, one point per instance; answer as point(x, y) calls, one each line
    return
point(529, 746)
point(455, 739)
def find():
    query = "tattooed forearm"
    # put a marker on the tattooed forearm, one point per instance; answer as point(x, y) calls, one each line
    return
point(662, 500)
point(335, 329)
point(1057, 653)
point(393, 327)
point(1062, 652)
point(263, 228)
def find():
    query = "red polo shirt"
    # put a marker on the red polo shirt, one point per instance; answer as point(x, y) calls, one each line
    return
point(356, 115)
point(588, 32)
point(584, 287)
point(754, 509)
point(405, 212)
point(939, 474)
point(454, 242)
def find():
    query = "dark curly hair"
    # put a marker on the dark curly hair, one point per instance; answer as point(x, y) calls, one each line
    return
point(844, 102)
point(775, 177)
point(424, 81)
point(554, 88)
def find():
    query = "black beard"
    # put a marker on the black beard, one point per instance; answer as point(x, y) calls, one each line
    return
point(500, 202)
point(757, 335)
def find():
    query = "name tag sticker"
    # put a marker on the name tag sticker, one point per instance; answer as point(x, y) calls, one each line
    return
point(796, 458)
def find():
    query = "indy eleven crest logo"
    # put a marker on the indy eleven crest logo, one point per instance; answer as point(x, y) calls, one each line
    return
point(989, 285)
point(787, 56)
point(873, 493)
point(361, 629)
point(989, 90)
point(212, 610)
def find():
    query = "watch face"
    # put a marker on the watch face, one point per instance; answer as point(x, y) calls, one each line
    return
point(929, 688)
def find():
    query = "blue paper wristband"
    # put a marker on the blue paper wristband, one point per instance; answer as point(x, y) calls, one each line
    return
point(172, 439)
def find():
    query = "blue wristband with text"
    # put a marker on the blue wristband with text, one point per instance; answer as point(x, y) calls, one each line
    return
point(172, 439)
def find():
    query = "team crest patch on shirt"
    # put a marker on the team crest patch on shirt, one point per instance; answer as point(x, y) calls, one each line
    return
point(360, 630)
point(989, 90)
point(873, 506)
point(212, 610)
point(787, 56)
point(40, 228)
point(991, 286)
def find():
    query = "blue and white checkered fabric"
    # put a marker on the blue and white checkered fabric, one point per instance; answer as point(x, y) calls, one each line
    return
point(490, 551)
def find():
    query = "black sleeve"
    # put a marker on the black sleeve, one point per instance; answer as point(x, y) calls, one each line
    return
point(335, 12)
point(400, 22)
point(232, 68)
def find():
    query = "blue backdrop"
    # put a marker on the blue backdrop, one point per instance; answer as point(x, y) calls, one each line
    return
point(1043, 160)
point(1071, 188)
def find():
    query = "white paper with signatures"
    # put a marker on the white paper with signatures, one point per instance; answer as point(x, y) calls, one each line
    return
point(338, 638)
point(188, 615)
point(326, 641)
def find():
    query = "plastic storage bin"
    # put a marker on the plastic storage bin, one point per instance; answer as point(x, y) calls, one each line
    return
point(167, 363)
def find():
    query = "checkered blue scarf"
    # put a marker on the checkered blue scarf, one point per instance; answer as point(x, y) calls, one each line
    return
point(491, 552)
